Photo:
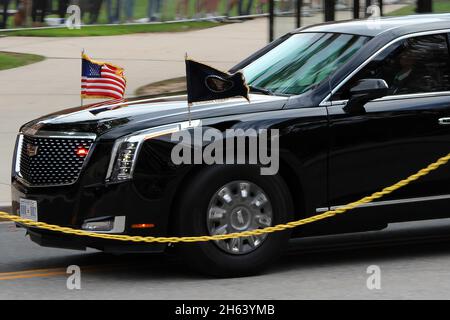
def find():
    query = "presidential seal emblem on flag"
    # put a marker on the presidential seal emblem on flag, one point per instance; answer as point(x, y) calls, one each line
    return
point(101, 79)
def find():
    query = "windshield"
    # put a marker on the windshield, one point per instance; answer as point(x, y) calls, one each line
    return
point(302, 61)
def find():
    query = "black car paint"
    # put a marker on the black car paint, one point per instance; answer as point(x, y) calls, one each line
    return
point(329, 157)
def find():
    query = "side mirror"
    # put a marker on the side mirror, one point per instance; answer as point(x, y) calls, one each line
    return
point(364, 91)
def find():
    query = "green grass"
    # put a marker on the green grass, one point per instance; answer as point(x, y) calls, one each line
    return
point(87, 31)
point(13, 60)
point(438, 7)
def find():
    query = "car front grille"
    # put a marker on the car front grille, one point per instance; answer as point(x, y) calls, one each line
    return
point(46, 161)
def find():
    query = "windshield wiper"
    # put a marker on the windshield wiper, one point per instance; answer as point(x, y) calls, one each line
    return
point(261, 90)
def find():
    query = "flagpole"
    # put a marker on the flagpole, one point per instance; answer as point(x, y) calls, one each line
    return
point(189, 113)
point(189, 103)
point(81, 95)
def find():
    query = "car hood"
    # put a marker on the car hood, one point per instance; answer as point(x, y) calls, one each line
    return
point(119, 117)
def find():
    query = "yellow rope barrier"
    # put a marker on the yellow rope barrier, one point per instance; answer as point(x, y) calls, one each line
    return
point(280, 227)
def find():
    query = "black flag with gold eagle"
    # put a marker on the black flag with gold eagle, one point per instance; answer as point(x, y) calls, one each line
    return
point(206, 83)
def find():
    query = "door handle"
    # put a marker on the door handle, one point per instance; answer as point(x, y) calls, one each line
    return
point(444, 121)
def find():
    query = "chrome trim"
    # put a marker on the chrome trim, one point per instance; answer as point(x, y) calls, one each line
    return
point(444, 121)
point(393, 98)
point(337, 103)
point(385, 83)
point(119, 225)
point(414, 95)
point(389, 202)
point(49, 135)
point(17, 155)
point(407, 36)
point(327, 104)
point(27, 184)
point(59, 134)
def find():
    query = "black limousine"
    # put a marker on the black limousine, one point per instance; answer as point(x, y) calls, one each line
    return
point(358, 106)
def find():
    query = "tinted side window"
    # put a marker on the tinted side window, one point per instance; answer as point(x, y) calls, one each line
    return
point(414, 65)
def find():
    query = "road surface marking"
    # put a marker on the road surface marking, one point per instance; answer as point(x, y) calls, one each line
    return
point(32, 275)
point(40, 273)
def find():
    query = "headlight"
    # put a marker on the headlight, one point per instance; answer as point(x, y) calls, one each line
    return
point(126, 149)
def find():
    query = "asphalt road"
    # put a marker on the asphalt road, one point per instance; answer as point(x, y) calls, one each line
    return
point(414, 259)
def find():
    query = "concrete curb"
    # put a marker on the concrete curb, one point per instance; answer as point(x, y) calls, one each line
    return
point(5, 206)
point(7, 226)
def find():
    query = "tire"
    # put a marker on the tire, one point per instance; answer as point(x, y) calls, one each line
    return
point(192, 219)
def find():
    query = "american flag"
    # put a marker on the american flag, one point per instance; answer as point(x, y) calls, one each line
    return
point(101, 79)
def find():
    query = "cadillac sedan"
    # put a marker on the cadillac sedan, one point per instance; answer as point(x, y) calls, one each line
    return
point(357, 105)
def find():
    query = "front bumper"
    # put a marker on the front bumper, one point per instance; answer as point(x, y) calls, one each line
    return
point(58, 240)
point(70, 206)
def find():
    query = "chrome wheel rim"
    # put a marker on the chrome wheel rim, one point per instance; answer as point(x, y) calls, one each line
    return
point(236, 207)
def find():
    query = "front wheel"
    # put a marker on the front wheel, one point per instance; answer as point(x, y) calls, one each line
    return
point(228, 199)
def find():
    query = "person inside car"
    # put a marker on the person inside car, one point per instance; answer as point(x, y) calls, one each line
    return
point(405, 79)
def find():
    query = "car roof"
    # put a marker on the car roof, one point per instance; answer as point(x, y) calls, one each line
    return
point(401, 25)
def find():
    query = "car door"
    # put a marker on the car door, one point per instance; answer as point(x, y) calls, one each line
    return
point(394, 136)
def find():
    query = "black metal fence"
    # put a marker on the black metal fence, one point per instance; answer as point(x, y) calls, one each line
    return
point(283, 18)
